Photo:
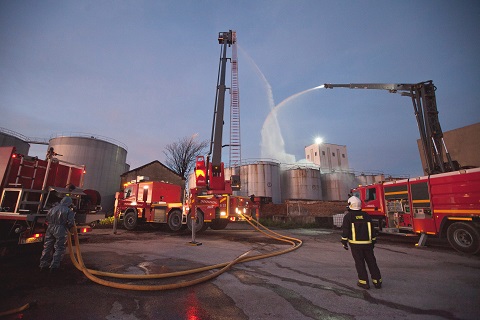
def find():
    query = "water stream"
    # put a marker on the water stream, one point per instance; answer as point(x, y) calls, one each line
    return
point(272, 145)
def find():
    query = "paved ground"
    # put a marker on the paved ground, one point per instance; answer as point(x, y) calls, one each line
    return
point(316, 281)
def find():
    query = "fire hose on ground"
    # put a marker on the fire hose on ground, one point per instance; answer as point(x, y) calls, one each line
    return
point(94, 275)
point(17, 310)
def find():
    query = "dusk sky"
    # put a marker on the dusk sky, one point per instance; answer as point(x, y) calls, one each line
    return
point(144, 72)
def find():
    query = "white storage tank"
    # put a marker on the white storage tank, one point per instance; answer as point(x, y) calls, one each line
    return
point(104, 158)
point(301, 184)
point(337, 185)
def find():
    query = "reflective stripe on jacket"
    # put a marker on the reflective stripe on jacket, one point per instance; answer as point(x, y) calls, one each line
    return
point(357, 228)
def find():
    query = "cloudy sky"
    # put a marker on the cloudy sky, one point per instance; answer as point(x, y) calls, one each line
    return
point(144, 72)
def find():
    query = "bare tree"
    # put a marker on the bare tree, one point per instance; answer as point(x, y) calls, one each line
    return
point(181, 154)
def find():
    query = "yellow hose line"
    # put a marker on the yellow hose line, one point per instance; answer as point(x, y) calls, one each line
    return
point(17, 310)
point(77, 260)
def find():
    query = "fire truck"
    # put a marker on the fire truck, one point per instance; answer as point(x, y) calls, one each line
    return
point(160, 202)
point(443, 203)
point(29, 187)
point(216, 208)
point(156, 202)
point(211, 201)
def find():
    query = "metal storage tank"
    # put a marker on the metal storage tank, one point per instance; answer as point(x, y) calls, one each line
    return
point(261, 179)
point(301, 184)
point(104, 158)
point(337, 185)
point(9, 138)
point(367, 179)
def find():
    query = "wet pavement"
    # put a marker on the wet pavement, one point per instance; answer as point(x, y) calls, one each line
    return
point(316, 281)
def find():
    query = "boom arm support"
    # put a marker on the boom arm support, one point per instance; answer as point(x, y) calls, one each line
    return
point(426, 113)
point(391, 87)
point(214, 171)
point(225, 39)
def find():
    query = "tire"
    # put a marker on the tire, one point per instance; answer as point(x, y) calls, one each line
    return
point(130, 220)
point(175, 220)
point(200, 224)
point(94, 224)
point(219, 224)
point(464, 237)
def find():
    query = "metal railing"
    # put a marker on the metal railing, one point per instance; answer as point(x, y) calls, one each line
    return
point(90, 136)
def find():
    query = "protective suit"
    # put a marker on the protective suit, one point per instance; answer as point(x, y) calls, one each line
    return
point(59, 219)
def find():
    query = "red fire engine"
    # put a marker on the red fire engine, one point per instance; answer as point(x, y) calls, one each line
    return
point(445, 202)
point(150, 201)
point(160, 202)
point(29, 187)
point(444, 205)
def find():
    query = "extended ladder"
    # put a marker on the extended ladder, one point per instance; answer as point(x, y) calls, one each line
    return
point(235, 148)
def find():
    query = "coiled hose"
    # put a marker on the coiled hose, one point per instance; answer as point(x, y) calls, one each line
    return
point(77, 260)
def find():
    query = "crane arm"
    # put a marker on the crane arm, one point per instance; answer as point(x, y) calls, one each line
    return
point(391, 87)
point(426, 113)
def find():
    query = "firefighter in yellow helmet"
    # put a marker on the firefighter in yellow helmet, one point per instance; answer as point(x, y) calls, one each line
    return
point(357, 230)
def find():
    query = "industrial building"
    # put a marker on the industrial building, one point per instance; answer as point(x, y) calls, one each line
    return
point(153, 171)
point(463, 144)
point(327, 156)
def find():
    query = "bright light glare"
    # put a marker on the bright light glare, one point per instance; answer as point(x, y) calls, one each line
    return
point(318, 140)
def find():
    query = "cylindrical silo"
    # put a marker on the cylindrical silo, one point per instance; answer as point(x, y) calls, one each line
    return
point(9, 138)
point(365, 179)
point(262, 179)
point(337, 185)
point(104, 158)
point(301, 184)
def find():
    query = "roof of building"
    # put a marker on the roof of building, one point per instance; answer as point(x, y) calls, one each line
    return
point(149, 164)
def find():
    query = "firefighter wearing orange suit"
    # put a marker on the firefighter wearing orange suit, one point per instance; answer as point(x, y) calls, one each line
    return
point(357, 230)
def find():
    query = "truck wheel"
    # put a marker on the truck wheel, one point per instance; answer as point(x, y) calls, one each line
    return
point(219, 224)
point(130, 220)
point(464, 237)
point(200, 224)
point(175, 220)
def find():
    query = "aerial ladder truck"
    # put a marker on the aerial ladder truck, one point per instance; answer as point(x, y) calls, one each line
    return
point(445, 202)
point(212, 203)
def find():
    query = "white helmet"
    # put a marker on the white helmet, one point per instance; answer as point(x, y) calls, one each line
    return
point(354, 203)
